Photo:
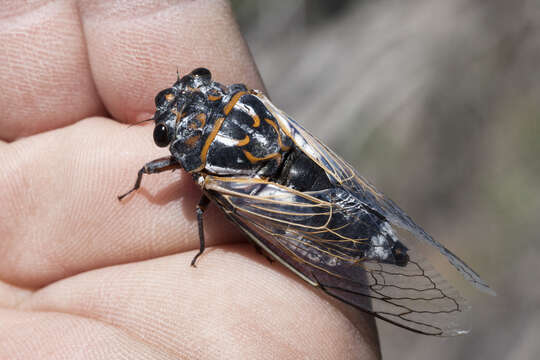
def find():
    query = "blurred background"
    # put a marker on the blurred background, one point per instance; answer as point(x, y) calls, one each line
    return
point(438, 103)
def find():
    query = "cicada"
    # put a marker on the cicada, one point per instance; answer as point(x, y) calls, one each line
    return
point(302, 204)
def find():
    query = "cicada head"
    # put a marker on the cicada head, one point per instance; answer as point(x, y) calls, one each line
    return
point(182, 113)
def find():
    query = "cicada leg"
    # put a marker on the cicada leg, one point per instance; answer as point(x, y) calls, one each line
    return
point(201, 207)
point(153, 167)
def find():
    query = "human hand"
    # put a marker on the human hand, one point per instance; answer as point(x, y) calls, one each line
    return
point(85, 276)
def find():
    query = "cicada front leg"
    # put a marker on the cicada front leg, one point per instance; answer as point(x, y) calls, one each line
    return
point(153, 167)
point(201, 207)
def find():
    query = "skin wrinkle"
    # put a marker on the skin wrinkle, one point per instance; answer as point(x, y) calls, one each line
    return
point(39, 48)
point(174, 354)
point(127, 279)
point(18, 11)
point(12, 296)
point(99, 322)
point(121, 10)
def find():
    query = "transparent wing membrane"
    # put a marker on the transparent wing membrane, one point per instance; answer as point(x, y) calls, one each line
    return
point(322, 237)
point(344, 175)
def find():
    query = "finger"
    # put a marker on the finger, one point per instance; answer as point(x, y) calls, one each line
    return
point(135, 49)
point(46, 78)
point(236, 305)
point(80, 338)
point(11, 296)
point(61, 215)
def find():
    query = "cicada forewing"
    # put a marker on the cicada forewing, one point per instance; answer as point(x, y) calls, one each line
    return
point(322, 237)
point(327, 238)
point(343, 175)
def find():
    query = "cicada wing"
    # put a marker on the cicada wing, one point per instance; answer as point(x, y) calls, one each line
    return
point(344, 175)
point(424, 302)
point(323, 237)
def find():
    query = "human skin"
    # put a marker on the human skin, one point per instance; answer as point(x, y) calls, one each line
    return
point(83, 275)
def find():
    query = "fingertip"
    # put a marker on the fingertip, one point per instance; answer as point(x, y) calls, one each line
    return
point(151, 41)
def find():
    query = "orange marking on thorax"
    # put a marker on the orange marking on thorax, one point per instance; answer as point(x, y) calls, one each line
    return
point(214, 97)
point(280, 142)
point(202, 119)
point(243, 142)
point(227, 109)
point(253, 159)
point(192, 89)
point(272, 109)
point(178, 117)
point(211, 137)
point(256, 120)
point(193, 140)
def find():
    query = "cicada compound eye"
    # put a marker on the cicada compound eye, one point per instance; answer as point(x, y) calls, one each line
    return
point(203, 74)
point(161, 135)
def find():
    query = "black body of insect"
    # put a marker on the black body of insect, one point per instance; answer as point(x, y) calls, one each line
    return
point(302, 204)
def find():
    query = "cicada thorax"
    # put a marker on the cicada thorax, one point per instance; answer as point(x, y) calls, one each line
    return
point(233, 134)
point(190, 139)
point(249, 140)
